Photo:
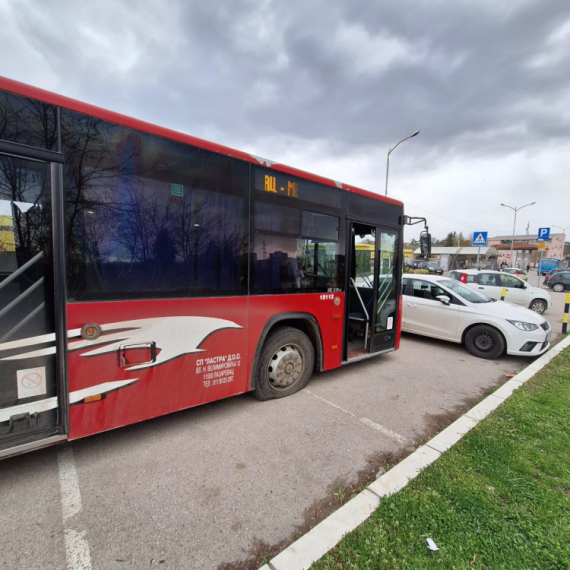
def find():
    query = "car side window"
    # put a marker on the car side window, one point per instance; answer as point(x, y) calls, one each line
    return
point(421, 290)
point(470, 279)
point(510, 281)
point(488, 279)
point(404, 283)
point(426, 290)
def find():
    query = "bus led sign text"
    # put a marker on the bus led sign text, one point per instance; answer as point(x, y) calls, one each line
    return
point(271, 186)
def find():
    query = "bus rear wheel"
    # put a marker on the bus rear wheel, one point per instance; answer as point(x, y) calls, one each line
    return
point(285, 365)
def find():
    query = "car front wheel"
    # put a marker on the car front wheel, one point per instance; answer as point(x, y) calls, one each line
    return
point(484, 341)
point(538, 306)
point(558, 287)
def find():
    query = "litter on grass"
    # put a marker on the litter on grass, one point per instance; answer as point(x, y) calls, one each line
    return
point(432, 545)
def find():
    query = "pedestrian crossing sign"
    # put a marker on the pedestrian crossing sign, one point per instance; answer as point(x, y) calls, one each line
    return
point(479, 238)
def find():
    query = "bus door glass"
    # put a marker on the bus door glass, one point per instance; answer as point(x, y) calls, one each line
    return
point(371, 293)
point(29, 406)
point(385, 321)
point(360, 290)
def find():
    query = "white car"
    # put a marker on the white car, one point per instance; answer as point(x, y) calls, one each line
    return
point(492, 283)
point(520, 273)
point(444, 308)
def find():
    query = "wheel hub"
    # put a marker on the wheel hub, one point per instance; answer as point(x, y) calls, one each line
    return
point(285, 367)
point(484, 342)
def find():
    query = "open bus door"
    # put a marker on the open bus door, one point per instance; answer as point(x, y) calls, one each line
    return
point(32, 323)
point(372, 295)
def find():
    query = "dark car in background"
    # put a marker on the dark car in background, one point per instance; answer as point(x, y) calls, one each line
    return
point(412, 263)
point(560, 281)
point(550, 275)
point(433, 268)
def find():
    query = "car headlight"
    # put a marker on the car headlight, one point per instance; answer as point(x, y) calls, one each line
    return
point(524, 326)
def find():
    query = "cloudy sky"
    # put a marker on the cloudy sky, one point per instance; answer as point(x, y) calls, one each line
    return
point(329, 86)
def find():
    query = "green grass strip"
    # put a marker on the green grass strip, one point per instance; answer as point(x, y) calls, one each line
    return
point(499, 499)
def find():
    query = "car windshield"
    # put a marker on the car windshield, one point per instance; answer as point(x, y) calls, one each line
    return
point(465, 291)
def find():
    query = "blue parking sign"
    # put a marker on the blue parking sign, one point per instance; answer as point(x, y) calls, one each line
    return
point(543, 234)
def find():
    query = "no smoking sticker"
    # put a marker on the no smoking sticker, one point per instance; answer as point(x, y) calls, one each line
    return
point(31, 382)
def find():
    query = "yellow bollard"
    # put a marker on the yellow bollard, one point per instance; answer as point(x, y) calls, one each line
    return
point(503, 294)
point(565, 316)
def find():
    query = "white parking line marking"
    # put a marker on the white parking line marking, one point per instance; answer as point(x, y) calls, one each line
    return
point(384, 430)
point(77, 550)
point(76, 545)
point(331, 404)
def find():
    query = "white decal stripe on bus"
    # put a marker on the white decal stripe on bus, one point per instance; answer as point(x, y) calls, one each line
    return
point(104, 339)
point(32, 408)
point(33, 354)
point(74, 397)
point(72, 345)
point(28, 341)
point(174, 336)
point(78, 395)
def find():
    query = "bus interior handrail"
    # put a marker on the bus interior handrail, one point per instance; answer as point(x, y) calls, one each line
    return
point(20, 270)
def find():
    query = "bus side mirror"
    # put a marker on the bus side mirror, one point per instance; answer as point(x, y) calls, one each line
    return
point(425, 244)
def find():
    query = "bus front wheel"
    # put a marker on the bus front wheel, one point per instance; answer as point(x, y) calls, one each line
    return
point(285, 365)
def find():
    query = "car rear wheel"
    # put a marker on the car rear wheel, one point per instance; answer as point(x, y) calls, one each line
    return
point(538, 306)
point(484, 341)
point(285, 365)
point(558, 287)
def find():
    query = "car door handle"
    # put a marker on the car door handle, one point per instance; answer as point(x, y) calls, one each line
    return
point(481, 287)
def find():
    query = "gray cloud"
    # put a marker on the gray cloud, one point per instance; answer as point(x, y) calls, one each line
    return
point(482, 80)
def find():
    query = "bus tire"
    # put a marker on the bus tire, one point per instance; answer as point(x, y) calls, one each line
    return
point(285, 365)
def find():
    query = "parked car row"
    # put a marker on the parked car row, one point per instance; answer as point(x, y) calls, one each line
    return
point(492, 283)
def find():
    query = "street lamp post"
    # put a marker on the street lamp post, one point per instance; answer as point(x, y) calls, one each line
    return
point(515, 210)
point(561, 228)
point(388, 158)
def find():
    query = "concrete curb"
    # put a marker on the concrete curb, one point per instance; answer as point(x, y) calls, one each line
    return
point(328, 533)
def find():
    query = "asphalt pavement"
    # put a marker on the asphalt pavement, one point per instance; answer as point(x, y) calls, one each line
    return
point(229, 484)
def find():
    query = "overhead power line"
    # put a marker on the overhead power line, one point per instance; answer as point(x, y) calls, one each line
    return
point(452, 221)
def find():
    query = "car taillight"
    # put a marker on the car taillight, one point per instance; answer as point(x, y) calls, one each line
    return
point(463, 278)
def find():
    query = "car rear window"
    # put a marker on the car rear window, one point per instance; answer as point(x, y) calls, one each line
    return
point(458, 274)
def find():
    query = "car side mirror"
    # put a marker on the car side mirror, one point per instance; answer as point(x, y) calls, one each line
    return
point(443, 299)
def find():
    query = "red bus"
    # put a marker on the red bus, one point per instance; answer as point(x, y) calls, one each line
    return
point(144, 271)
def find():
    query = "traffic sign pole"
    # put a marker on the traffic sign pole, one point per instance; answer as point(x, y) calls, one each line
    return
point(479, 239)
point(543, 236)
